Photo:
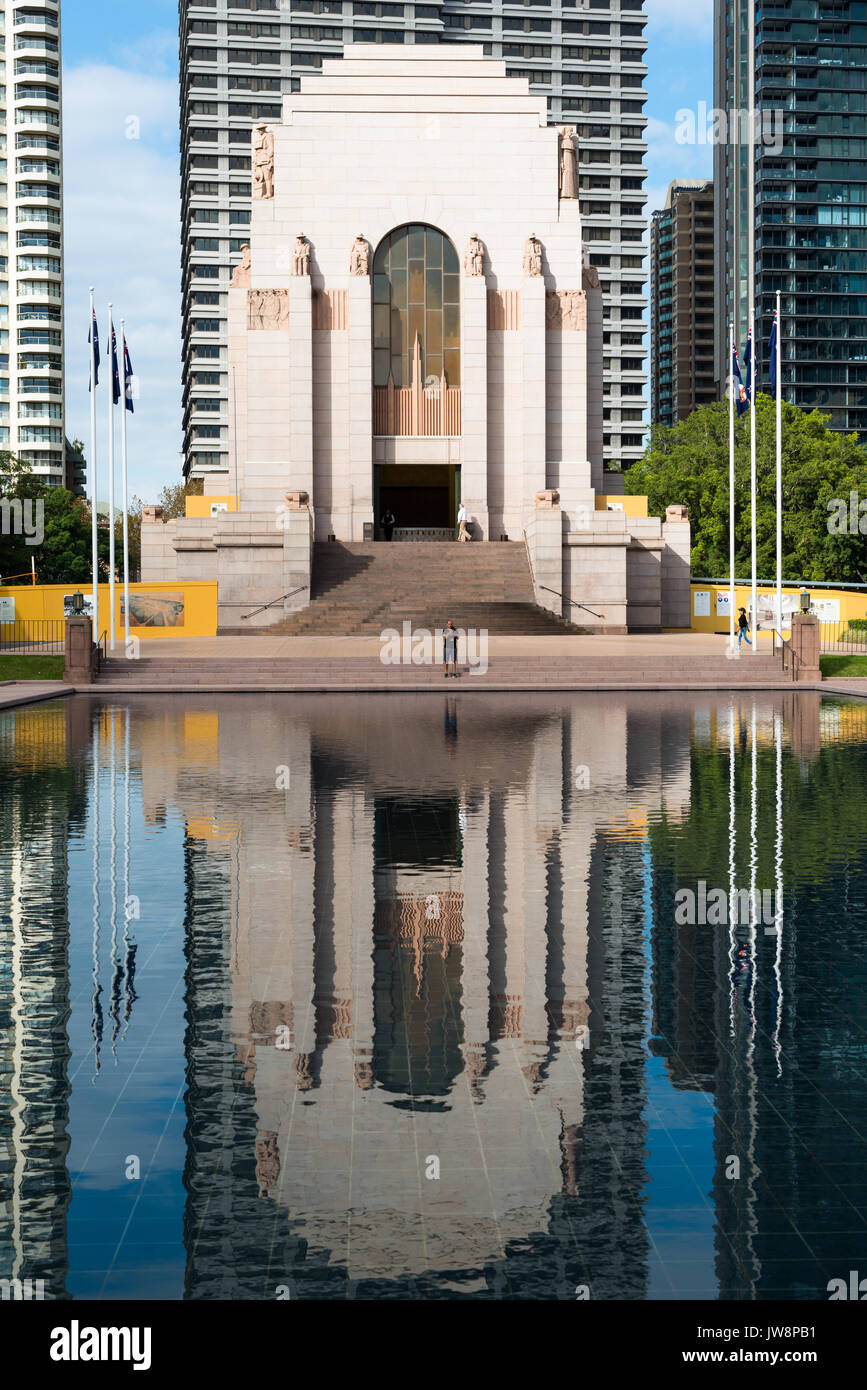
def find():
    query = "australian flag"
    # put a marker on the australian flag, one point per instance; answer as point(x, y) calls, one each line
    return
point(741, 399)
point(748, 370)
point(115, 378)
point(93, 336)
point(127, 373)
point(772, 352)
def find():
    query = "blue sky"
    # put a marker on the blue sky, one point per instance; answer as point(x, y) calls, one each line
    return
point(123, 204)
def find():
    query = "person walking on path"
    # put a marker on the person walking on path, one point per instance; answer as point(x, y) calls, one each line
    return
point(387, 523)
point(743, 629)
point(450, 650)
point(463, 524)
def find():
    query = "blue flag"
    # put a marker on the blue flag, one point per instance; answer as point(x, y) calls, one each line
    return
point(772, 351)
point(741, 401)
point(115, 378)
point(127, 368)
point(94, 330)
point(748, 369)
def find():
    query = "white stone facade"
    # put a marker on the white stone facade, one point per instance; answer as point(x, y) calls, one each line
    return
point(440, 138)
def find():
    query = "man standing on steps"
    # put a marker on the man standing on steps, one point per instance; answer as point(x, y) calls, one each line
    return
point(387, 523)
point(450, 650)
point(463, 524)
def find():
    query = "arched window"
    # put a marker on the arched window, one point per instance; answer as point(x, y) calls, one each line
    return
point(416, 291)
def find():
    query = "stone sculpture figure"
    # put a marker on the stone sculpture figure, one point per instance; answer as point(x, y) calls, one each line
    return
point(565, 309)
point(301, 255)
point(359, 257)
point(241, 273)
point(268, 309)
point(263, 162)
point(568, 183)
point(474, 260)
point(255, 308)
point(532, 255)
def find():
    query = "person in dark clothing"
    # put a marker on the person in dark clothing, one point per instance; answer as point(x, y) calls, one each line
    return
point(450, 650)
point(743, 628)
point(387, 523)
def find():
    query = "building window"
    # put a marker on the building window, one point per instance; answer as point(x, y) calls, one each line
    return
point(416, 293)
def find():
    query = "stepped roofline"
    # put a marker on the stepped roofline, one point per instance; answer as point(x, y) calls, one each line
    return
point(416, 78)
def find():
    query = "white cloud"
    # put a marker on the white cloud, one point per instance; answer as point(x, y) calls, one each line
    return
point(122, 229)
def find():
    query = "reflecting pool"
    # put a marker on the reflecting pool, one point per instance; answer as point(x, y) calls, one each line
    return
point(414, 997)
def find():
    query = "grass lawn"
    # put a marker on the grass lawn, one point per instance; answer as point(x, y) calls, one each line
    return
point(844, 665)
point(20, 666)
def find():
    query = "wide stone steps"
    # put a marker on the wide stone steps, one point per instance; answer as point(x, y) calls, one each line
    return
point(369, 673)
point(365, 587)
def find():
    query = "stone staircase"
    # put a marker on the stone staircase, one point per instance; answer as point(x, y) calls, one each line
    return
point(364, 587)
point(542, 672)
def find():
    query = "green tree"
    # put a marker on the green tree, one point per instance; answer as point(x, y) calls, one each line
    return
point(173, 498)
point(689, 463)
point(63, 555)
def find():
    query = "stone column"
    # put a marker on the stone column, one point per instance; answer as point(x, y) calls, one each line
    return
point(474, 402)
point(297, 524)
point(360, 314)
point(676, 558)
point(533, 377)
point(299, 386)
point(544, 527)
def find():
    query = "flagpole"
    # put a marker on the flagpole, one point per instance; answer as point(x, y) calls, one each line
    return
point(751, 299)
point(732, 490)
point(778, 391)
point(124, 477)
point(753, 497)
point(93, 531)
point(110, 353)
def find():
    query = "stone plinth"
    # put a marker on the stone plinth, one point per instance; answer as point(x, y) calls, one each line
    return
point(804, 647)
point(82, 658)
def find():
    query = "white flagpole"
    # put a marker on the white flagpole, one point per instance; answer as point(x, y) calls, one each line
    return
point(751, 298)
point(110, 486)
point(779, 394)
point(93, 531)
point(753, 496)
point(123, 473)
point(732, 648)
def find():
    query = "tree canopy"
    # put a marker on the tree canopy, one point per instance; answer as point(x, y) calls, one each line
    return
point(689, 463)
point(63, 555)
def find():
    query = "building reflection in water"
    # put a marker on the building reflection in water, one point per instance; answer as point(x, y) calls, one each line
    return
point(439, 1016)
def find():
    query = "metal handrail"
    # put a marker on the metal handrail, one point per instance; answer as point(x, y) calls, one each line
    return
point(574, 602)
point(278, 599)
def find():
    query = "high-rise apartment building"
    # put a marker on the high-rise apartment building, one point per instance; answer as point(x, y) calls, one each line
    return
point(238, 58)
point(681, 302)
point(810, 196)
point(31, 242)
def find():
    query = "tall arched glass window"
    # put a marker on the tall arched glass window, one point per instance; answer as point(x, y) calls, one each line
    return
point(416, 290)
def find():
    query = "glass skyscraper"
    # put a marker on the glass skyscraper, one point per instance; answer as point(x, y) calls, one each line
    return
point(237, 58)
point(811, 197)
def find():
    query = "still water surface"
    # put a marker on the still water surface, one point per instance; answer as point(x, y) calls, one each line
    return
point(405, 997)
